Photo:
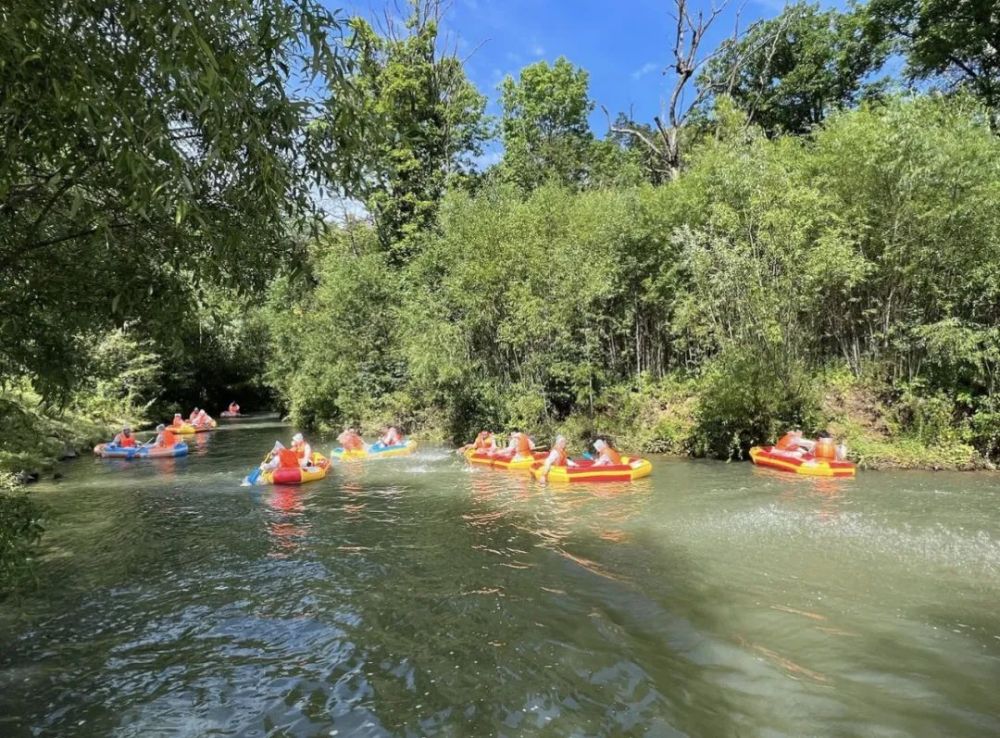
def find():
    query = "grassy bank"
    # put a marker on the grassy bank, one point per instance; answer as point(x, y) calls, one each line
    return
point(37, 435)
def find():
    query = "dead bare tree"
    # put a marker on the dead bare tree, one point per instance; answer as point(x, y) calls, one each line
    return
point(689, 33)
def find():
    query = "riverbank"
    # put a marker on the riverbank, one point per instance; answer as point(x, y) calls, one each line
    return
point(36, 436)
point(677, 415)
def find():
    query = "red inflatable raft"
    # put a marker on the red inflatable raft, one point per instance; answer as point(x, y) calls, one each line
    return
point(807, 464)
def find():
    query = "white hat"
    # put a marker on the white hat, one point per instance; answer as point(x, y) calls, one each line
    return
point(297, 438)
point(599, 444)
point(277, 446)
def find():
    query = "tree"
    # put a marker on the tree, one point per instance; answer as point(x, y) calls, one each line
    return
point(787, 73)
point(959, 42)
point(665, 142)
point(544, 124)
point(147, 144)
point(425, 123)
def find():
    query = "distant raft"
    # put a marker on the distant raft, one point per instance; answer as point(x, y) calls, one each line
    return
point(375, 451)
point(187, 429)
point(228, 414)
point(112, 451)
point(507, 461)
point(297, 475)
point(806, 465)
point(585, 470)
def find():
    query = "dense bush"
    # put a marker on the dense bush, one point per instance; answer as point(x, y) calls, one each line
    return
point(873, 243)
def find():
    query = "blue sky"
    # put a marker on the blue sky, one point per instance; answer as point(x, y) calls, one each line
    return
point(624, 45)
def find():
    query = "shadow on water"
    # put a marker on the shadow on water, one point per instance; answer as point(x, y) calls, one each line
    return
point(416, 597)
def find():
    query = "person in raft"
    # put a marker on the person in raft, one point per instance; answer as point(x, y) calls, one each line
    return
point(178, 421)
point(519, 443)
point(557, 457)
point(281, 458)
point(193, 417)
point(165, 437)
point(303, 451)
point(350, 440)
point(607, 455)
point(793, 444)
point(234, 408)
point(485, 443)
point(202, 419)
point(125, 439)
point(391, 437)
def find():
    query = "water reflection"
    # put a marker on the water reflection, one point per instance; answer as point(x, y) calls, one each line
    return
point(422, 597)
point(288, 526)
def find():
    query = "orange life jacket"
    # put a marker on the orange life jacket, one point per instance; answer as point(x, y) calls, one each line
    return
point(825, 449)
point(178, 422)
point(169, 438)
point(299, 449)
point(560, 457)
point(483, 441)
point(353, 442)
point(523, 445)
point(612, 456)
point(787, 442)
point(124, 441)
point(287, 459)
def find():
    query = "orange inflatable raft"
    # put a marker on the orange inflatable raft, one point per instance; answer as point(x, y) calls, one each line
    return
point(585, 470)
point(807, 464)
point(506, 461)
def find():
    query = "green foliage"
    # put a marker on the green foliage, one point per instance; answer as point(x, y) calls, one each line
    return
point(331, 350)
point(789, 72)
point(544, 125)
point(750, 397)
point(954, 42)
point(20, 531)
point(425, 123)
point(148, 144)
point(765, 263)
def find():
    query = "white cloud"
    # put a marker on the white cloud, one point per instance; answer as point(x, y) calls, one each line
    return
point(645, 69)
point(487, 159)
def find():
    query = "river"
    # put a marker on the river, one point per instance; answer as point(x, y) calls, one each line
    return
point(419, 597)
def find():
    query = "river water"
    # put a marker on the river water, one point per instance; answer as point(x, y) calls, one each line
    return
point(417, 596)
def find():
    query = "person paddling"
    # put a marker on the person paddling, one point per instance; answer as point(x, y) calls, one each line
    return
point(557, 457)
point(485, 443)
point(165, 437)
point(350, 440)
point(281, 458)
point(234, 409)
point(178, 421)
point(125, 439)
point(391, 437)
point(606, 454)
point(303, 450)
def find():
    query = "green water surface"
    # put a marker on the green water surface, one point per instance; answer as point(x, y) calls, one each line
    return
point(419, 597)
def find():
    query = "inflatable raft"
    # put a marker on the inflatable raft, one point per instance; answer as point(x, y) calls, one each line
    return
point(585, 470)
point(506, 461)
point(807, 465)
point(375, 451)
point(227, 414)
point(111, 451)
point(320, 466)
point(187, 429)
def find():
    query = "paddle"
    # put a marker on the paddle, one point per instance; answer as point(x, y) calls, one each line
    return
point(251, 479)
